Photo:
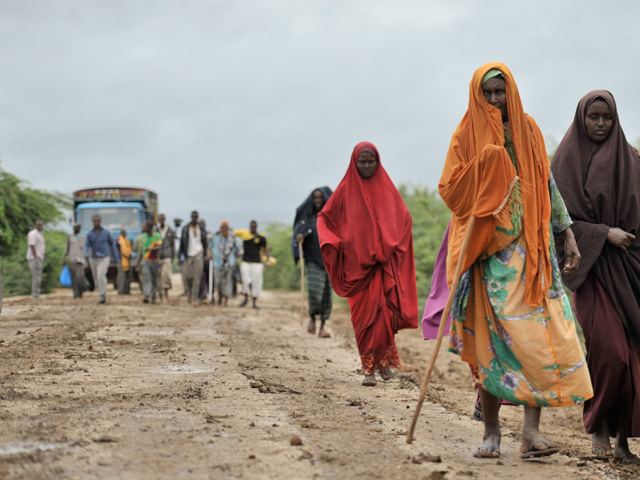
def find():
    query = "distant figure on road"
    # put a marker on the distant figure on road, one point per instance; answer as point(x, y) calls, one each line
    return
point(166, 254)
point(35, 257)
point(251, 267)
point(305, 232)
point(224, 248)
point(367, 248)
point(193, 245)
point(125, 269)
point(102, 248)
point(204, 281)
point(147, 249)
point(74, 259)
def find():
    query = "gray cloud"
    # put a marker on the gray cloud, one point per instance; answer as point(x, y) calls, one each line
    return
point(239, 109)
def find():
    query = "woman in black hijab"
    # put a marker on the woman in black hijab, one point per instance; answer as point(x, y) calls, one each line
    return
point(598, 175)
point(305, 232)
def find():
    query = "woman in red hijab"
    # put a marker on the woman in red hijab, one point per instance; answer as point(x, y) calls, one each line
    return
point(367, 248)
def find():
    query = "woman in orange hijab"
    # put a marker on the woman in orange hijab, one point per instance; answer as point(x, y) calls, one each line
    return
point(511, 318)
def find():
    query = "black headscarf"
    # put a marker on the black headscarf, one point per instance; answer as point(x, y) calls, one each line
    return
point(305, 223)
point(600, 184)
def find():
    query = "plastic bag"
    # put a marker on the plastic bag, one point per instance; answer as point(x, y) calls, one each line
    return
point(65, 277)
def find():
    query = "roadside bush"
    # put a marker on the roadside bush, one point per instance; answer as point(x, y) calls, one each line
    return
point(284, 274)
point(15, 268)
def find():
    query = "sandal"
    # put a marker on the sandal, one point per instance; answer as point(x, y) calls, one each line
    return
point(369, 381)
point(385, 374)
point(323, 334)
point(535, 453)
point(311, 327)
point(492, 451)
point(602, 452)
point(630, 459)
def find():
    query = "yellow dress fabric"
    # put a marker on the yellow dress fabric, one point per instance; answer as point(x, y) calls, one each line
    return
point(526, 354)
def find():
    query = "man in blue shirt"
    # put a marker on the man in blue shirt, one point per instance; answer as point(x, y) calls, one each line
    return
point(102, 247)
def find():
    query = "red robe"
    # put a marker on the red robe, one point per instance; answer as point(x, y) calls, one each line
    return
point(367, 248)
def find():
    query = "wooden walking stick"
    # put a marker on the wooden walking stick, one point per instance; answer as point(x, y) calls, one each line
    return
point(443, 322)
point(301, 284)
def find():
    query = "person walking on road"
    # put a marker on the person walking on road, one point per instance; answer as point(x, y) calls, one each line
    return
point(166, 254)
point(125, 272)
point(101, 247)
point(598, 175)
point(251, 267)
point(205, 288)
point(224, 248)
point(148, 246)
point(305, 233)
point(367, 249)
point(193, 245)
point(35, 257)
point(511, 318)
point(74, 260)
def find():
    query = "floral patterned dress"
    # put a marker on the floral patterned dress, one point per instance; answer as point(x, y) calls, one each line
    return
point(526, 355)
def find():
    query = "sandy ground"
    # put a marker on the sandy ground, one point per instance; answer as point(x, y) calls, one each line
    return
point(134, 391)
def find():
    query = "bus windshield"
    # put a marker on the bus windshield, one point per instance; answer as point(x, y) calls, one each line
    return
point(112, 218)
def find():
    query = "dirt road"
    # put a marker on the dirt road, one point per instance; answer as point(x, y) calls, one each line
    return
point(134, 391)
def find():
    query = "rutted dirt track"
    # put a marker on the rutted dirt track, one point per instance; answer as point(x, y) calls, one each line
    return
point(128, 390)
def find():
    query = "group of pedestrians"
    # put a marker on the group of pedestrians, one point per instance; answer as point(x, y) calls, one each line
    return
point(198, 251)
point(151, 257)
point(510, 319)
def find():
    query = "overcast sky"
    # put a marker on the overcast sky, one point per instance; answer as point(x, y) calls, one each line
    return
point(239, 108)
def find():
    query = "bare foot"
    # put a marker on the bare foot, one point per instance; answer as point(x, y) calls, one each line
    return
point(385, 374)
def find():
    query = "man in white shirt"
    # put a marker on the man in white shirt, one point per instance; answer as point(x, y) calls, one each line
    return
point(193, 246)
point(35, 257)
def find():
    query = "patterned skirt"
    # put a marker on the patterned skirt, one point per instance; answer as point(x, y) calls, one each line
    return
point(526, 355)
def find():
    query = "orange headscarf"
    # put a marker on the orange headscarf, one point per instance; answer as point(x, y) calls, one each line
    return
point(478, 178)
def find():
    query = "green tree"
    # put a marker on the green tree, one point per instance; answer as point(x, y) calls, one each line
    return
point(20, 207)
point(284, 274)
point(430, 218)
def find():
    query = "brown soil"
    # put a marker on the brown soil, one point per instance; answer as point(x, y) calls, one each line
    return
point(134, 391)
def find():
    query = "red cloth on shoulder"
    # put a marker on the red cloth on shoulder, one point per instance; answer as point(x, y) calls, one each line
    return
point(364, 228)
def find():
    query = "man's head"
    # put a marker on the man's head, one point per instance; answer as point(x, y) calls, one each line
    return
point(224, 228)
point(194, 217)
point(123, 233)
point(203, 224)
point(162, 219)
point(253, 227)
point(39, 226)
point(97, 221)
point(76, 228)
point(146, 227)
